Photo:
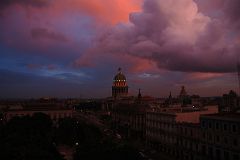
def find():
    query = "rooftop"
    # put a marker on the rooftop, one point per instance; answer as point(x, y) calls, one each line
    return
point(223, 116)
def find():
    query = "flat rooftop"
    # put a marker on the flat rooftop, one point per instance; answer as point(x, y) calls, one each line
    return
point(223, 116)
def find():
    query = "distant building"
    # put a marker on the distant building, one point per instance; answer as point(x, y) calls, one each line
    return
point(196, 101)
point(184, 98)
point(54, 114)
point(230, 102)
point(119, 87)
point(129, 119)
point(183, 93)
point(55, 110)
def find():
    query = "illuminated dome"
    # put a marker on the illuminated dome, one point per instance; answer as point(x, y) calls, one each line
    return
point(120, 76)
point(119, 87)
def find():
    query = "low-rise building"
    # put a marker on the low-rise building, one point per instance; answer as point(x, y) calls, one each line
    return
point(230, 102)
point(177, 134)
point(129, 119)
point(53, 109)
point(54, 114)
point(221, 136)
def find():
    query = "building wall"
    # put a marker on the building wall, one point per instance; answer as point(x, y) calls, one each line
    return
point(54, 114)
point(179, 140)
point(129, 119)
point(222, 137)
point(190, 141)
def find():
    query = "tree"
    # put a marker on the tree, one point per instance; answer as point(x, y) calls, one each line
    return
point(28, 137)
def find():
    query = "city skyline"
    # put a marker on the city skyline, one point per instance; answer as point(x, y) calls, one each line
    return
point(74, 48)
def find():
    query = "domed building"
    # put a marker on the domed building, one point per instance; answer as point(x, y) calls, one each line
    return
point(119, 87)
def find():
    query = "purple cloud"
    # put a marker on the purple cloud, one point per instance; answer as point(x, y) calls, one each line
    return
point(176, 36)
point(33, 3)
point(44, 33)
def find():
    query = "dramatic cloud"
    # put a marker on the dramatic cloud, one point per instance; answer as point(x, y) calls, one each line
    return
point(231, 8)
point(32, 3)
point(160, 44)
point(176, 36)
point(45, 21)
point(110, 11)
point(39, 33)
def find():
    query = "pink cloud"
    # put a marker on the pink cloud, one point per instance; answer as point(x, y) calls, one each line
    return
point(111, 11)
point(205, 76)
point(170, 35)
point(43, 33)
point(46, 25)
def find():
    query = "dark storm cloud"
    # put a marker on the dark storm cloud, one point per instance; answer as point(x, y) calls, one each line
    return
point(226, 10)
point(43, 33)
point(231, 8)
point(232, 14)
point(180, 62)
point(33, 3)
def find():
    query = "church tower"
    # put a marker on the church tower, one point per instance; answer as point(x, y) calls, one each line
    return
point(119, 87)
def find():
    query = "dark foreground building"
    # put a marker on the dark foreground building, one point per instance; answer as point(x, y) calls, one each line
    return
point(213, 137)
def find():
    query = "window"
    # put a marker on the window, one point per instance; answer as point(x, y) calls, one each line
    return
point(226, 155)
point(204, 135)
point(210, 137)
point(203, 124)
point(225, 127)
point(196, 147)
point(217, 138)
point(210, 125)
point(217, 126)
point(203, 149)
point(210, 151)
point(235, 157)
point(225, 140)
point(234, 128)
point(218, 154)
point(235, 142)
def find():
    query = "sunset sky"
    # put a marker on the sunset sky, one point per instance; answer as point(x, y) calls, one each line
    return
point(73, 48)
